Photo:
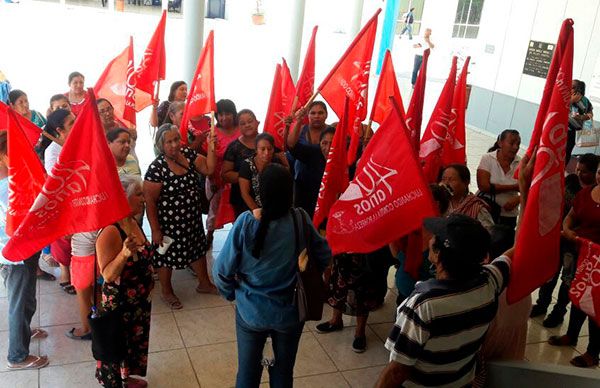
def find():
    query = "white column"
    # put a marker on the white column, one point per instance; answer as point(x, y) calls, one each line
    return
point(356, 18)
point(296, 27)
point(63, 2)
point(193, 27)
point(165, 4)
point(111, 5)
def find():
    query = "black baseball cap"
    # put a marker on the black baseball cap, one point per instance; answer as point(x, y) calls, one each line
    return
point(462, 234)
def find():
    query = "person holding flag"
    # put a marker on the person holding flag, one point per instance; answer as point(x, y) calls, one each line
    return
point(20, 281)
point(177, 92)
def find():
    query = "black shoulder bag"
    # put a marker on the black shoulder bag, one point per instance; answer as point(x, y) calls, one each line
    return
point(495, 209)
point(310, 292)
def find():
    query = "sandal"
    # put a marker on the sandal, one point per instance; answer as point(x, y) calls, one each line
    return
point(584, 361)
point(561, 340)
point(71, 334)
point(210, 290)
point(38, 334)
point(46, 276)
point(173, 302)
point(35, 362)
point(68, 288)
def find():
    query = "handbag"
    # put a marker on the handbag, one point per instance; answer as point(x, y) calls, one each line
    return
point(588, 136)
point(108, 337)
point(310, 291)
point(495, 209)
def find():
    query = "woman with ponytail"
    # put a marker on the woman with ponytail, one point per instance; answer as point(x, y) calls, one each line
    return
point(257, 268)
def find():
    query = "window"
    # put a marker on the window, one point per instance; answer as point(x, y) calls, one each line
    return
point(406, 5)
point(468, 15)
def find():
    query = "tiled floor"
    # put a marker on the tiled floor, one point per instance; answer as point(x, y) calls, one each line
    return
point(196, 346)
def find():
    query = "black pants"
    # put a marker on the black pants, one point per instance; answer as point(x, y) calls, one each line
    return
point(568, 264)
point(570, 145)
point(576, 320)
point(416, 67)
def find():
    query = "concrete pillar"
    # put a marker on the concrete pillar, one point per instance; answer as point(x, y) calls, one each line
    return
point(387, 31)
point(165, 4)
point(193, 30)
point(356, 18)
point(296, 27)
point(111, 5)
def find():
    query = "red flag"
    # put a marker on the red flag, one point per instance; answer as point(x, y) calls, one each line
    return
point(117, 84)
point(350, 77)
point(31, 131)
point(335, 177)
point(274, 121)
point(388, 197)
point(225, 214)
point(306, 82)
point(454, 148)
point(82, 193)
point(537, 245)
point(26, 174)
point(414, 115)
point(430, 151)
point(201, 97)
point(386, 88)
point(288, 89)
point(152, 66)
point(585, 288)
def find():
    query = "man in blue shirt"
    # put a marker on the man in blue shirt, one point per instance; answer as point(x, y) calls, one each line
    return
point(409, 19)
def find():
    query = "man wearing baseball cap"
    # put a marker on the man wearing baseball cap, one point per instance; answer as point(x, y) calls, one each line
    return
point(441, 326)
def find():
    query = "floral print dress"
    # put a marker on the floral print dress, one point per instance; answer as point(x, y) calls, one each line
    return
point(133, 295)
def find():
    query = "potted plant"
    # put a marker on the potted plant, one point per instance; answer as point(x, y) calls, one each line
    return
point(258, 17)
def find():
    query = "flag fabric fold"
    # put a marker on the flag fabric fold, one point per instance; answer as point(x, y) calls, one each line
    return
point(82, 192)
point(306, 81)
point(430, 150)
point(585, 287)
point(274, 121)
point(31, 131)
point(335, 177)
point(388, 197)
point(288, 89)
point(26, 175)
point(117, 85)
point(454, 149)
point(201, 95)
point(350, 77)
point(386, 88)
point(151, 69)
point(414, 114)
point(537, 247)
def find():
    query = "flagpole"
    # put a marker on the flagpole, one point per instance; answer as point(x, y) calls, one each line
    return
point(311, 99)
point(367, 131)
point(49, 136)
point(212, 129)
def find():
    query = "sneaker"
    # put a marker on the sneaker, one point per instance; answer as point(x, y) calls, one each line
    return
point(553, 320)
point(359, 344)
point(537, 310)
point(327, 327)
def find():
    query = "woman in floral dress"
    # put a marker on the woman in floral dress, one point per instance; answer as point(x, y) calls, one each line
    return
point(124, 258)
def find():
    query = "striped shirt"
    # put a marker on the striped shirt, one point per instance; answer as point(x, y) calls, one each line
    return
point(441, 326)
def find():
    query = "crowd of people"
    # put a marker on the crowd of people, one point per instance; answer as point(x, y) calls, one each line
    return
point(451, 320)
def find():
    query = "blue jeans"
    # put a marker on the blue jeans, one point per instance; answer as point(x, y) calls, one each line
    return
point(416, 67)
point(20, 283)
point(406, 28)
point(250, 343)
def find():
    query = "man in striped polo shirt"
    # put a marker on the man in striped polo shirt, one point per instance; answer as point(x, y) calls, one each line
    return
point(441, 326)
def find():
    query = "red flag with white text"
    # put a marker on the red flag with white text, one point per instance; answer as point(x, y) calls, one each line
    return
point(26, 175)
point(117, 85)
point(335, 177)
point(414, 115)
point(151, 69)
point(386, 88)
point(31, 131)
point(82, 192)
point(306, 81)
point(288, 89)
point(201, 95)
point(430, 151)
point(388, 197)
point(274, 121)
point(537, 247)
point(454, 150)
point(350, 77)
point(585, 288)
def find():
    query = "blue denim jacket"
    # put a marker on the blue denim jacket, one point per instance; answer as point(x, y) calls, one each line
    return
point(265, 289)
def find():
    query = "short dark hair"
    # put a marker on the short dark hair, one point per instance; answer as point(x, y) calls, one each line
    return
point(75, 74)
point(265, 136)
point(315, 103)
point(578, 86)
point(503, 135)
point(174, 86)
point(245, 112)
point(14, 95)
point(99, 100)
point(441, 195)
point(326, 131)
point(463, 172)
point(114, 133)
point(590, 161)
point(227, 106)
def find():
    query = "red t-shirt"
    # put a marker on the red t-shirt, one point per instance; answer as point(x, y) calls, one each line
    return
point(76, 107)
point(223, 141)
point(587, 215)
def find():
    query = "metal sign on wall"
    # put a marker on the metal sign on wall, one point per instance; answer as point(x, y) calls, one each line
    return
point(539, 56)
